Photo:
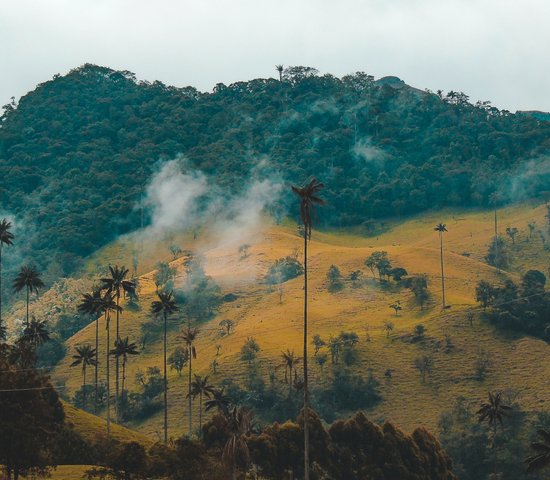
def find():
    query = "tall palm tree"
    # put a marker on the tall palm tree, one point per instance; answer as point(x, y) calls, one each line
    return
point(91, 305)
point(85, 356)
point(117, 284)
point(123, 348)
point(165, 305)
point(219, 401)
point(28, 278)
point(107, 306)
point(290, 363)
point(6, 238)
point(492, 413)
point(189, 335)
point(35, 333)
point(200, 387)
point(441, 229)
point(280, 69)
point(238, 424)
point(308, 198)
point(541, 458)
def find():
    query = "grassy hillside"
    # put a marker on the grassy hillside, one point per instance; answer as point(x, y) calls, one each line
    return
point(517, 361)
point(90, 426)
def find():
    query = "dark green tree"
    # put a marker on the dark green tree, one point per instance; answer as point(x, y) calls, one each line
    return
point(6, 239)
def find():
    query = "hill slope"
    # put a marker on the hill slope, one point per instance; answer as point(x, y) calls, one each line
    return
point(517, 361)
point(76, 153)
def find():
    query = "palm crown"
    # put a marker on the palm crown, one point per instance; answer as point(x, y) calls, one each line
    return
point(308, 199)
point(116, 283)
point(123, 348)
point(189, 335)
point(91, 303)
point(6, 237)
point(85, 356)
point(165, 304)
point(36, 333)
point(440, 227)
point(494, 410)
point(28, 277)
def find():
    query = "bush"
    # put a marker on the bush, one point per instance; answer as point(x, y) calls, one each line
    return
point(284, 269)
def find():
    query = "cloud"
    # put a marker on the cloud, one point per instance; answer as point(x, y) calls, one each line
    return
point(173, 195)
point(370, 153)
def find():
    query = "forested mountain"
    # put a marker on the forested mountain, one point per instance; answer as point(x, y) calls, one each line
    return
point(76, 153)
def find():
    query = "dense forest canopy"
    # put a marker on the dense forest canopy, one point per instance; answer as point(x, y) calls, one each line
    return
point(77, 152)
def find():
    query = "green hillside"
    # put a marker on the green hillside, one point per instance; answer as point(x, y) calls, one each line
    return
point(76, 153)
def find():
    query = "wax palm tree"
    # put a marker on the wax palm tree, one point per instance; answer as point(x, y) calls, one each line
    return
point(200, 387)
point(106, 307)
point(123, 348)
point(91, 305)
point(117, 284)
point(189, 335)
point(35, 333)
point(493, 413)
point(541, 458)
point(6, 238)
point(290, 363)
point(165, 305)
point(441, 229)
point(28, 278)
point(219, 401)
point(280, 69)
point(308, 198)
point(238, 426)
point(85, 356)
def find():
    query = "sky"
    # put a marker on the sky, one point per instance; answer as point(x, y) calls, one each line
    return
point(490, 49)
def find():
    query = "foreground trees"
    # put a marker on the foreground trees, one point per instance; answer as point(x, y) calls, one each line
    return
point(6, 239)
point(31, 415)
point(308, 199)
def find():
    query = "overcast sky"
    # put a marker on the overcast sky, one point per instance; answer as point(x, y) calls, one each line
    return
point(490, 49)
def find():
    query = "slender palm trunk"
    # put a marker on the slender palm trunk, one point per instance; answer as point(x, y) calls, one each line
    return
point(200, 414)
point(234, 469)
point(306, 388)
point(165, 387)
point(108, 321)
point(442, 274)
point(123, 377)
point(0, 284)
point(96, 361)
point(117, 363)
point(84, 384)
point(494, 449)
point(497, 259)
point(189, 390)
point(28, 293)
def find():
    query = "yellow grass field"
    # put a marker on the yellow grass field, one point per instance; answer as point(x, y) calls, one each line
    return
point(519, 363)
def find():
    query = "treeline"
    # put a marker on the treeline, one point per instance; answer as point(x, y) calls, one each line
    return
point(524, 307)
point(76, 153)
